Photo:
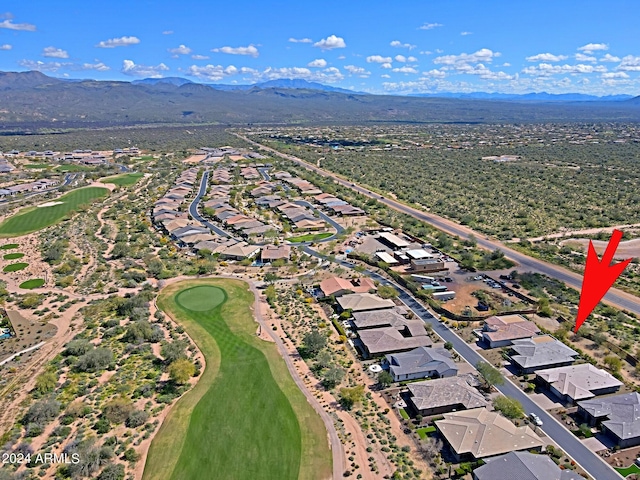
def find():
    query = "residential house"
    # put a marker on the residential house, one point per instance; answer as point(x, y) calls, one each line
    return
point(340, 286)
point(618, 416)
point(359, 302)
point(578, 382)
point(543, 351)
point(501, 331)
point(421, 362)
point(444, 395)
point(479, 433)
point(399, 338)
point(523, 466)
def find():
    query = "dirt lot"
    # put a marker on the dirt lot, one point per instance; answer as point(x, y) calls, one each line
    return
point(29, 332)
point(628, 249)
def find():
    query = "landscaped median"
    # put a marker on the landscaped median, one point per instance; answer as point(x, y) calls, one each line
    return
point(32, 219)
point(245, 418)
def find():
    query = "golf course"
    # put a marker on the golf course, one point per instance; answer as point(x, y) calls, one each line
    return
point(32, 219)
point(245, 418)
point(123, 180)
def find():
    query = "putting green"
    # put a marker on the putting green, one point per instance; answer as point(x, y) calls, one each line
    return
point(33, 283)
point(245, 419)
point(9, 246)
point(14, 267)
point(201, 299)
point(13, 256)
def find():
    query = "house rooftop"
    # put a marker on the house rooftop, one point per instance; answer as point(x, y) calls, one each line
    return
point(482, 433)
point(419, 360)
point(578, 381)
point(364, 301)
point(329, 286)
point(540, 351)
point(523, 466)
point(442, 392)
point(389, 339)
point(378, 318)
point(509, 327)
point(623, 412)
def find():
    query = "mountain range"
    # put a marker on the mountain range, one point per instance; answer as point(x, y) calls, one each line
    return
point(32, 100)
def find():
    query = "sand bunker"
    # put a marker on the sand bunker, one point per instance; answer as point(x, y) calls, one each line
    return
point(50, 204)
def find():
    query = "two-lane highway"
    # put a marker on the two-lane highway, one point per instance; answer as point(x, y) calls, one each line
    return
point(614, 297)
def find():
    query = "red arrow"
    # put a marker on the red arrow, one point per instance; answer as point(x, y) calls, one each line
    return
point(599, 276)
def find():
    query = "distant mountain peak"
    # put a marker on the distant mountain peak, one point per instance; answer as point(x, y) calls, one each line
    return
point(177, 81)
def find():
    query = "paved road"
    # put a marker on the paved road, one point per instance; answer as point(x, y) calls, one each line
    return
point(589, 461)
point(614, 297)
point(263, 172)
point(193, 209)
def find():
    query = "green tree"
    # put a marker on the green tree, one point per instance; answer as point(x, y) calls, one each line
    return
point(332, 377)
point(181, 371)
point(313, 342)
point(46, 382)
point(172, 351)
point(384, 379)
point(348, 397)
point(387, 291)
point(271, 294)
point(510, 407)
point(613, 363)
point(489, 374)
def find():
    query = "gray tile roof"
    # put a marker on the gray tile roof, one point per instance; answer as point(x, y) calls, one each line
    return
point(389, 339)
point(623, 412)
point(443, 392)
point(578, 381)
point(421, 359)
point(541, 351)
point(523, 466)
point(378, 318)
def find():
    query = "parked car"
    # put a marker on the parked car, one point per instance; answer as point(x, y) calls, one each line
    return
point(535, 419)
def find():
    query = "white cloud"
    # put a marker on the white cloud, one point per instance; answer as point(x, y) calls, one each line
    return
point(53, 52)
point(384, 75)
point(6, 46)
point(17, 26)
point(430, 26)
point(130, 68)
point(378, 59)
point(405, 69)
point(118, 42)
point(412, 59)
point(218, 72)
point(399, 44)
point(435, 73)
point(99, 66)
point(614, 75)
point(318, 62)
point(609, 58)
point(179, 50)
point(356, 70)
point(400, 58)
point(300, 40)
point(466, 33)
point(546, 57)
point(546, 69)
point(200, 57)
point(168, 32)
point(482, 55)
point(328, 75)
point(581, 57)
point(506, 64)
point(629, 63)
point(592, 47)
point(426, 52)
point(330, 43)
point(249, 50)
point(385, 65)
point(42, 66)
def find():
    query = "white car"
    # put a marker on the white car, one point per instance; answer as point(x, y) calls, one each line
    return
point(535, 419)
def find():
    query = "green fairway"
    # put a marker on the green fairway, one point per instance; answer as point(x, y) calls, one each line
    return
point(245, 418)
point(9, 246)
point(32, 219)
point(33, 283)
point(13, 256)
point(311, 237)
point(14, 267)
point(72, 168)
point(123, 180)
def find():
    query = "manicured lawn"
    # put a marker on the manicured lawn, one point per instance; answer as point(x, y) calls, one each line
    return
point(33, 283)
point(245, 418)
point(311, 237)
point(9, 246)
point(425, 432)
point(13, 256)
point(72, 168)
point(404, 414)
point(123, 180)
point(32, 219)
point(14, 267)
point(625, 472)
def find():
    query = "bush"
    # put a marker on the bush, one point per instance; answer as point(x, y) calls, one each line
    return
point(42, 412)
point(117, 410)
point(510, 407)
point(113, 471)
point(77, 347)
point(136, 418)
point(181, 371)
point(130, 455)
point(95, 360)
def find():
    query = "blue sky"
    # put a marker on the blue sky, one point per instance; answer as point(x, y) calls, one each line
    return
point(376, 46)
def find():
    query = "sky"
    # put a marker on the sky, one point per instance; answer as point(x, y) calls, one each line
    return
point(392, 47)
